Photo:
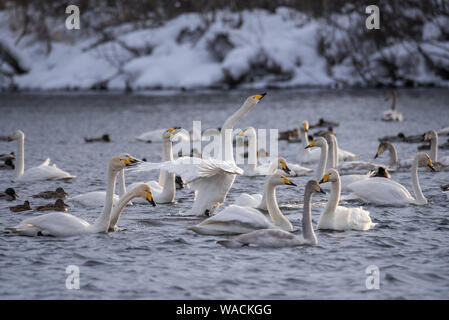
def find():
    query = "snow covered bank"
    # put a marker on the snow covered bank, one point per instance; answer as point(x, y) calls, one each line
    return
point(247, 49)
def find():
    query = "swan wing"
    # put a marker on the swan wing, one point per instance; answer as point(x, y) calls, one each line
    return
point(344, 218)
point(269, 238)
point(381, 191)
point(298, 169)
point(248, 200)
point(93, 199)
point(54, 224)
point(45, 171)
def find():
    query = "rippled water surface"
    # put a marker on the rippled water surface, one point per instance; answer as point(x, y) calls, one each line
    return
point(155, 257)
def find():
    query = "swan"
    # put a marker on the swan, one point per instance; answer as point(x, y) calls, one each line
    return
point(164, 190)
point(392, 114)
point(388, 192)
point(238, 219)
point(267, 168)
point(393, 162)
point(211, 178)
point(336, 217)
point(156, 136)
point(42, 172)
point(98, 198)
point(324, 150)
point(440, 163)
point(278, 238)
point(62, 224)
point(307, 155)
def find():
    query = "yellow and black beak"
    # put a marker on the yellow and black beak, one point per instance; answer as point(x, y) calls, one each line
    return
point(11, 138)
point(324, 179)
point(288, 182)
point(241, 133)
point(260, 96)
point(321, 191)
point(378, 153)
point(426, 136)
point(150, 198)
point(430, 165)
point(310, 145)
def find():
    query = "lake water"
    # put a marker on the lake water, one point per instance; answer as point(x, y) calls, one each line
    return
point(155, 257)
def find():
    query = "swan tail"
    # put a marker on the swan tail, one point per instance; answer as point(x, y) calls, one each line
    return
point(231, 243)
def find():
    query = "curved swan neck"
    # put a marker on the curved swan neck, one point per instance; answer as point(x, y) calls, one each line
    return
point(335, 144)
point(168, 179)
point(20, 162)
point(393, 105)
point(331, 154)
point(323, 160)
point(305, 140)
point(334, 198)
point(434, 148)
point(273, 209)
point(118, 209)
point(307, 228)
point(393, 155)
point(419, 196)
point(121, 183)
point(102, 222)
point(227, 130)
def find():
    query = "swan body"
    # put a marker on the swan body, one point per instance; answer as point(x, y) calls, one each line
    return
point(340, 218)
point(392, 114)
point(60, 224)
point(277, 238)
point(388, 192)
point(236, 219)
point(156, 136)
point(44, 171)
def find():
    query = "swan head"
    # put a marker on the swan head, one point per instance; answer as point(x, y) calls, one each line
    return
point(279, 179)
point(256, 98)
point(16, 135)
point(384, 145)
point(119, 163)
point(430, 135)
point(130, 158)
point(331, 176)
point(424, 160)
point(170, 134)
point(250, 130)
point(282, 165)
point(313, 186)
point(305, 126)
point(318, 141)
point(144, 191)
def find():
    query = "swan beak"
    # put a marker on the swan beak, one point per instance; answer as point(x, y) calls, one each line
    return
point(288, 182)
point(310, 145)
point(10, 138)
point(241, 133)
point(426, 136)
point(378, 153)
point(285, 168)
point(321, 191)
point(150, 199)
point(430, 165)
point(260, 96)
point(325, 179)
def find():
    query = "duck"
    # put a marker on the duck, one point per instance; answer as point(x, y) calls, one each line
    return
point(103, 138)
point(21, 207)
point(439, 162)
point(61, 224)
point(42, 172)
point(335, 217)
point(445, 190)
point(236, 219)
point(59, 205)
point(58, 193)
point(8, 164)
point(7, 156)
point(9, 194)
point(324, 123)
point(288, 134)
point(392, 114)
point(279, 238)
point(383, 191)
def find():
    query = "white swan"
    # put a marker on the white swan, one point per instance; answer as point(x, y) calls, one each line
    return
point(267, 168)
point(60, 224)
point(392, 114)
point(156, 136)
point(336, 217)
point(164, 190)
point(237, 219)
point(42, 172)
point(98, 198)
point(324, 150)
point(306, 155)
point(388, 192)
point(393, 162)
point(440, 163)
point(210, 178)
point(276, 238)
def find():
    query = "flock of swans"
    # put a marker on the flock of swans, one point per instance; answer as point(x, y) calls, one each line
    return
point(245, 220)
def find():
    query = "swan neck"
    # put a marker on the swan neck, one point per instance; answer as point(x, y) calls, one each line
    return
point(121, 183)
point(273, 209)
point(334, 198)
point(102, 222)
point(20, 163)
point(434, 149)
point(252, 149)
point(393, 105)
point(335, 143)
point(419, 196)
point(305, 141)
point(331, 155)
point(393, 155)
point(322, 163)
point(307, 227)
point(118, 209)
